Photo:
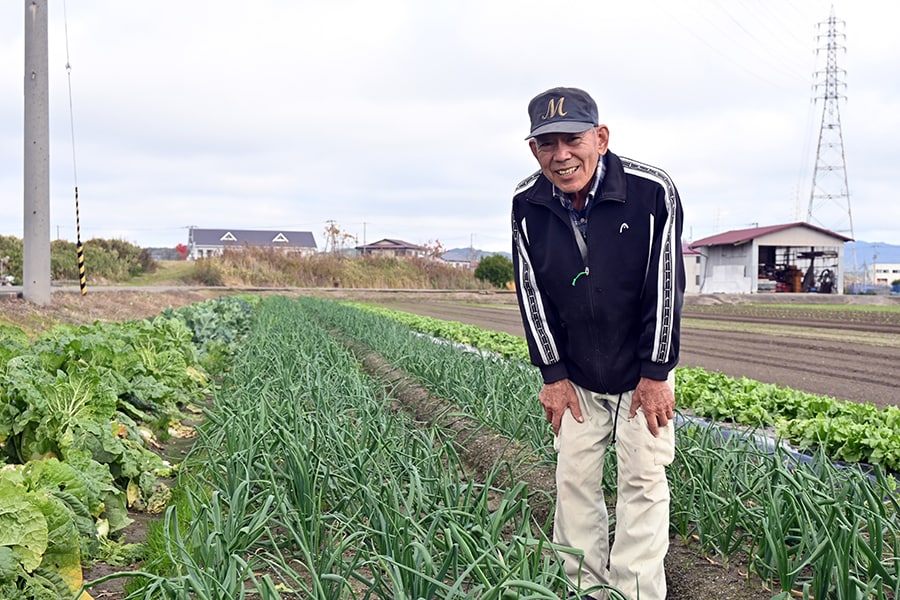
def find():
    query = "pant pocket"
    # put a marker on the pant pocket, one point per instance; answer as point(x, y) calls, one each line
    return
point(664, 445)
point(660, 448)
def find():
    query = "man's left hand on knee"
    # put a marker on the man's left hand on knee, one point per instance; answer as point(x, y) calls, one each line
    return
point(657, 400)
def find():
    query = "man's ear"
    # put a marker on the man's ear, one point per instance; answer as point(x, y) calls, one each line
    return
point(603, 138)
point(533, 145)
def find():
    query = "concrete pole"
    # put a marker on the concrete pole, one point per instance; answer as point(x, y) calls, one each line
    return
point(36, 246)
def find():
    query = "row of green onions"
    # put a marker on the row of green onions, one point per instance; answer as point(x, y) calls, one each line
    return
point(307, 483)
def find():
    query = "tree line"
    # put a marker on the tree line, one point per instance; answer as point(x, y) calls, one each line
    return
point(115, 260)
point(105, 260)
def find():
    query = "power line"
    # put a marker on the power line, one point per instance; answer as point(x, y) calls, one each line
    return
point(757, 43)
point(724, 44)
point(69, 78)
point(79, 248)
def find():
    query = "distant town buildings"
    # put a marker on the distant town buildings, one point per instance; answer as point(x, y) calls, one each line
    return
point(789, 258)
point(882, 273)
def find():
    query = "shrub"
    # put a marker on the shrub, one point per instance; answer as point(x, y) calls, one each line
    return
point(208, 272)
point(495, 269)
point(268, 267)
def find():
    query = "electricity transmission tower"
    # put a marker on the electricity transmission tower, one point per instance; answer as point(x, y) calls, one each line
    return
point(829, 197)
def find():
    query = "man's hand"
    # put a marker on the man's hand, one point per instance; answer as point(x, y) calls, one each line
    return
point(556, 397)
point(658, 401)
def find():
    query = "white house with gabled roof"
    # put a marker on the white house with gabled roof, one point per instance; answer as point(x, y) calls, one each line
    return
point(205, 243)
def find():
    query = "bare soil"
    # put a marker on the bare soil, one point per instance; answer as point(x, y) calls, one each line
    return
point(109, 306)
point(848, 355)
point(861, 364)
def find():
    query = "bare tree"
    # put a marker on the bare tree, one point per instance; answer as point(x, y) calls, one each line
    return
point(336, 239)
point(434, 249)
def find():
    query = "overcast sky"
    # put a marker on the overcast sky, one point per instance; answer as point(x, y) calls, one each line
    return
point(405, 119)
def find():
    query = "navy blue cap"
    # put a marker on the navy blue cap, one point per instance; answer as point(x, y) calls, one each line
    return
point(562, 110)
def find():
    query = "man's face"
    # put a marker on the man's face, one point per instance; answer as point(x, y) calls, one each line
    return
point(570, 159)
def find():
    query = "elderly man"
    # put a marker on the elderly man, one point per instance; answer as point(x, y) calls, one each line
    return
point(600, 283)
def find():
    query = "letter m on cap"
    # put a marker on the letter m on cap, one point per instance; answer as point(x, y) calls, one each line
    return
point(554, 109)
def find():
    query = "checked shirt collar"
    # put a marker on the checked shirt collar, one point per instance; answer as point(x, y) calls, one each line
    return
point(579, 217)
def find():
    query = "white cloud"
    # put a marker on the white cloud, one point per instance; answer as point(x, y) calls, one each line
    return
point(405, 119)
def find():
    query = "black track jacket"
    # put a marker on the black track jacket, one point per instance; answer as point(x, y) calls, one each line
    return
point(620, 319)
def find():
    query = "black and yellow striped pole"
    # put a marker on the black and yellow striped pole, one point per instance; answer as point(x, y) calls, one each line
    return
point(78, 247)
point(82, 281)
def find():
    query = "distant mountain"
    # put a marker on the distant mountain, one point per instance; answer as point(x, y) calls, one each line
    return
point(470, 254)
point(872, 252)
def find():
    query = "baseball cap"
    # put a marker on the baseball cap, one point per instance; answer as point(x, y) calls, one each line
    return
point(562, 110)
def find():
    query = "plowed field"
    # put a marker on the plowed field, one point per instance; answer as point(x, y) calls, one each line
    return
point(839, 349)
point(847, 353)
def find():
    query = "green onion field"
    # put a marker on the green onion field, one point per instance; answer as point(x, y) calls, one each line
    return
point(345, 451)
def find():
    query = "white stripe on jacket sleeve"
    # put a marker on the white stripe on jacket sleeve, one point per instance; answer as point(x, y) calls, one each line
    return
point(666, 280)
point(535, 317)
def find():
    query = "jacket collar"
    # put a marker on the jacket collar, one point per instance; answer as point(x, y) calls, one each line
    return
point(613, 187)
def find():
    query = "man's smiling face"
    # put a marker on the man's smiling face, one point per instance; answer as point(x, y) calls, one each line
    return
point(569, 160)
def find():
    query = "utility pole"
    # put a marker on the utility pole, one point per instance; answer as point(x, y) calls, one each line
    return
point(36, 238)
point(829, 196)
point(875, 264)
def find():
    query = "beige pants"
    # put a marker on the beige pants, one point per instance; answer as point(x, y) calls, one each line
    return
point(634, 565)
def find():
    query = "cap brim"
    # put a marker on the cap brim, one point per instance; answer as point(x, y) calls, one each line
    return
point(561, 127)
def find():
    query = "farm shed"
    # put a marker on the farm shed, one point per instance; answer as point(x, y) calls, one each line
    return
point(795, 257)
point(203, 243)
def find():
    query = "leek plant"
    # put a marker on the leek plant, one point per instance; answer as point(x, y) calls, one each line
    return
point(498, 392)
point(808, 525)
point(305, 483)
point(831, 530)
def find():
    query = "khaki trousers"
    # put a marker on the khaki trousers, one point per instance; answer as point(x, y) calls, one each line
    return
point(634, 564)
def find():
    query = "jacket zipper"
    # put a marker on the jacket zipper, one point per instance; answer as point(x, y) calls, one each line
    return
point(581, 241)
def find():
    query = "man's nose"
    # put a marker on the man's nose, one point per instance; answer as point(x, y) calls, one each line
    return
point(561, 151)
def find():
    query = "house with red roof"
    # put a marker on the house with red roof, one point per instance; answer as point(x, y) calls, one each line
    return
point(789, 258)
